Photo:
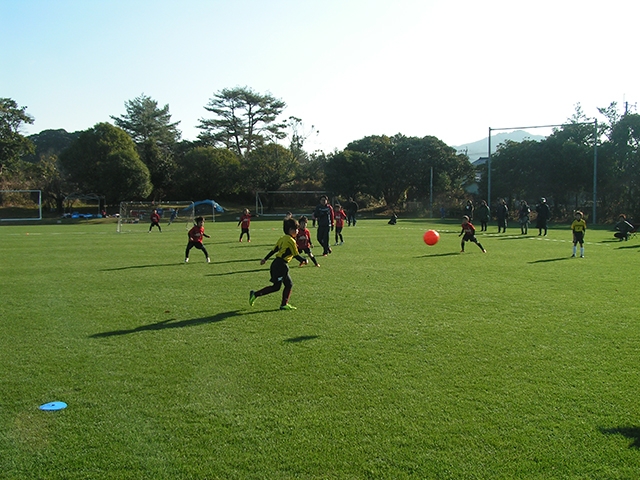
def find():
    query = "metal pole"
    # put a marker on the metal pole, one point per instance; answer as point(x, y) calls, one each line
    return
point(595, 168)
point(431, 195)
point(489, 173)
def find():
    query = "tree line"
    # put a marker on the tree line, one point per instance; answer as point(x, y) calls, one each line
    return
point(244, 146)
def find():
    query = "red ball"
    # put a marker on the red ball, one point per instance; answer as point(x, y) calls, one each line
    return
point(431, 237)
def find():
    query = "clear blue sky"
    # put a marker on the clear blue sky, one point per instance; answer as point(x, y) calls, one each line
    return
point(351, 68)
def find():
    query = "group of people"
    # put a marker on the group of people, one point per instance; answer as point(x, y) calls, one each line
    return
point(483, 215)
point(297, 240)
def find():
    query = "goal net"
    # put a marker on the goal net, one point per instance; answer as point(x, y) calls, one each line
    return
point(136, 216)
point(20, 205)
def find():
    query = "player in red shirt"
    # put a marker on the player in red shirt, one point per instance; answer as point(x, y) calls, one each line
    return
point(195, 239)
point(155, 221)
point(339, 216)
point(245, 221)
point(303, 241)
point(469, 232)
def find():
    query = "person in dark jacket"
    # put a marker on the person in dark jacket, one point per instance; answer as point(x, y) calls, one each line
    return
point(324, 216)
point(502, 214)
point(544, 213)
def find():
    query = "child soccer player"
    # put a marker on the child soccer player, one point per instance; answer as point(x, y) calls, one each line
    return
point(303, 241)
point(195, 239)
point(469, 234)
point(155, 221)
point(339, 216)
point(245, 220)
point(578, 227)
point(284, 251)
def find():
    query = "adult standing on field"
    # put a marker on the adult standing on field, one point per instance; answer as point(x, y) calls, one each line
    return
point(352, 209)
point(544, 213)
point(502, 214)
point(468, 210)
point(484, 215)
point(324, 216)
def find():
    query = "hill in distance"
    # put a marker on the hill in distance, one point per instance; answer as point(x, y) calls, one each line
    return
point(478, 149)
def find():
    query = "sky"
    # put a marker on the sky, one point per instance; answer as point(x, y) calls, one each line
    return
point(348, 68)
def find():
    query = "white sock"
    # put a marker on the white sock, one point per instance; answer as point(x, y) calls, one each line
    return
point(582, 251)
point(574, 249)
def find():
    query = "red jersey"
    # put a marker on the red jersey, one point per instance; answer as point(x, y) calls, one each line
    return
point(303, 239)
point(468, 228)
point(339, 217)
point(155, 218)
point(196, 234)
point(245, 220)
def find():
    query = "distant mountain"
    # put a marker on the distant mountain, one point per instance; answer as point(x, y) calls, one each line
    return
point(478, 149)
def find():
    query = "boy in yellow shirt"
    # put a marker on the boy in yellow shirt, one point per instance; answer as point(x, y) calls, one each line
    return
point(285, 250)
point(579, 226)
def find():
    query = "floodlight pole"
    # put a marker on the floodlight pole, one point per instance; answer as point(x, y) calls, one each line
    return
point(595, 168)
point(489, 173)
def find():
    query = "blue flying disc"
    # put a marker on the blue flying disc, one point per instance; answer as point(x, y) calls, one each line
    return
point(53, 406)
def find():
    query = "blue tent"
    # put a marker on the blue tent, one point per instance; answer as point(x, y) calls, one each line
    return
point(211, 203)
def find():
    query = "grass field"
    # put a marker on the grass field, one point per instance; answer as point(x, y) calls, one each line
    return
point(402, 360)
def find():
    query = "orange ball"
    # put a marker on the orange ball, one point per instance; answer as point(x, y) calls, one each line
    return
point(431, 237)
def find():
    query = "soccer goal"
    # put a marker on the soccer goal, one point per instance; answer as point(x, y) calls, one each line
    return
point(135, 216)
point(20, 205)
point(298, 202)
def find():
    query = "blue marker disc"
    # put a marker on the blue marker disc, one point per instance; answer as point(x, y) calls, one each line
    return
point(53, 406)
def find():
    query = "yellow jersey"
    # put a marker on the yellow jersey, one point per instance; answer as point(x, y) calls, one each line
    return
point(286, 248)
point(579, 225)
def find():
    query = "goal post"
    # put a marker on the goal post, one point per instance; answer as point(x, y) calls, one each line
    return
point(20, 205)
point(289, 199)
point(134, 217)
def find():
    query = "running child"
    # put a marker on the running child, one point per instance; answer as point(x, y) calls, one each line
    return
point(284, 251)
point(303, 241)
point(245, 221)
point(469, 232)
point(155, 220)
point(579, 226)
point(195, 240)
point(339, 217)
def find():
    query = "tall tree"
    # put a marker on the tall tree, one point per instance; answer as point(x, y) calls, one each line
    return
point(155, 136)
point(145, 121)
point(103, 160)
point(243, 120)
point(13, 144)
point(208, 173)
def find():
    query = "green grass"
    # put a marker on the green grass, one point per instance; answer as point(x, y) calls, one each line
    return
point(402, 360)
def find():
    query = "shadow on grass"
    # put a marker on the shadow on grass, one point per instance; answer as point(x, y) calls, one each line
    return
point(516, 237)
point(438, 255)
point(172, 323)
point(141, 266)
point(236, 272)
point(256, 260)
point(628, 246)
point(547, 260)
point(302, 338)
point(632, 433)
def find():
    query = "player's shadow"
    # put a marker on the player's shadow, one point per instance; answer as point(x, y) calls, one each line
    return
point(173, 323)
point(302, 338)
point(632, 433)
point(547, 260)
point(130, 267)
point(448, 254)
point(244, 260)
point(625, 247)
point(235, 272)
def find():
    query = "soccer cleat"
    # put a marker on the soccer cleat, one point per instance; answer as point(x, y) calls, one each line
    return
point(252, 297)
point(208, 260)
point(573, 256)
point(336, 243)
point(186, 260)
point(317, 264)
point(484, 251)
point(287, 307)
point(581, 256)
point(342, 243)
point(461, 251)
